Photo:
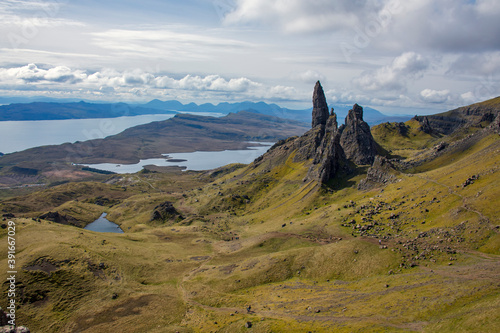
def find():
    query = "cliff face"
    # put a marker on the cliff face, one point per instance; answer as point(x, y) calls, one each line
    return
point(472, 115)
point(356, 138)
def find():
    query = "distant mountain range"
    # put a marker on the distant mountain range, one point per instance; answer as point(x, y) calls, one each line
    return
point(372, 116)
point(83, 110)
point(80, 110)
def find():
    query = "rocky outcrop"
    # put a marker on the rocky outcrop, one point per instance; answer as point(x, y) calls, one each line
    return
point(320, 108)
point(439, 124)
point(61, 219)
point(425, 126)
point(356, 138)
point(326, 145)
point(329, 156)
point(382, 172)
point(165, 211)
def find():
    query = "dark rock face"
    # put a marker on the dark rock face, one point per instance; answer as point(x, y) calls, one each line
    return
point(356, 138)
point(402, 129)
point(382, 172)
point(320, 108)
point(329, 156)
point(60, 218)
point(165, 211)
point(425, 126)
point(308, 143)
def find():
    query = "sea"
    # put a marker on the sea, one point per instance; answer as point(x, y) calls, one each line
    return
point(20, 135)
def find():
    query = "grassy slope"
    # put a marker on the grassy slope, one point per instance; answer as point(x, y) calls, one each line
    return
point(263, 237)
point(405, 144)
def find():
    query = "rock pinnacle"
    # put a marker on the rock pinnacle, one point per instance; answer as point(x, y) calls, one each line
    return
point(320, 112)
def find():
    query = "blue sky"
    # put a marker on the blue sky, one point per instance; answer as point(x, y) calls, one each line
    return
point(394, 55)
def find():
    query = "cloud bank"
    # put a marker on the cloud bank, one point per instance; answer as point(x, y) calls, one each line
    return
point(138, 83)
point(449, 25)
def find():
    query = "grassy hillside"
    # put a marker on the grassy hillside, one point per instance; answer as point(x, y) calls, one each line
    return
point(403, 139)
point(419, 254)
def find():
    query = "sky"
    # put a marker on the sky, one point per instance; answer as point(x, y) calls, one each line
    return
point(398, 56)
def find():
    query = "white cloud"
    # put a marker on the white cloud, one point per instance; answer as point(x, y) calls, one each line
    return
point(409, 65)
point(468, 97)
point(140, 84)
point(32, 74)
point(210, 82)
point(435, 96)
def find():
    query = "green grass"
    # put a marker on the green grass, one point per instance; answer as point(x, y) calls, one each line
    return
point(405, 144)
point(261, 236)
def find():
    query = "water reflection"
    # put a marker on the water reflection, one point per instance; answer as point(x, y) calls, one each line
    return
point(102, 224)
point(198, 160)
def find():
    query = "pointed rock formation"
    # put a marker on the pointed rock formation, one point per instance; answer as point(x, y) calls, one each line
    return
point(329, 157)
point(356, 138)
point(320, 108)
point(330, 148)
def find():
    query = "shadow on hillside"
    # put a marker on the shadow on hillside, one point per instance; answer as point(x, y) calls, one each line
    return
point(346, 179)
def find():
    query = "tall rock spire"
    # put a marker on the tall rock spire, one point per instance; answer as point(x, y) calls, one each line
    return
point(320, 112)
point(329, 157)
point(356, 139)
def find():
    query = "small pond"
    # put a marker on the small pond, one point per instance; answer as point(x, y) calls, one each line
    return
point(102, 224)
